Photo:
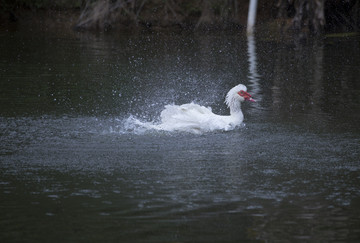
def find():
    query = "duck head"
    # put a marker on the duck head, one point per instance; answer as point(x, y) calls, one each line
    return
point(237, 95)
point(246, 95)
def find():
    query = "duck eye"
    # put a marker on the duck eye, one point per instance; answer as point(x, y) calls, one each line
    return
point(241, 93)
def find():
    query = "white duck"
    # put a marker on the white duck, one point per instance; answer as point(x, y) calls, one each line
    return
point(198, 119)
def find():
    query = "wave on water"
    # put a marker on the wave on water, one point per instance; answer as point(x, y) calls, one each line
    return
point(134, 125)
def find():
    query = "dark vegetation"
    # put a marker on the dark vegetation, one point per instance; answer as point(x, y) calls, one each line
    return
point(309, 16)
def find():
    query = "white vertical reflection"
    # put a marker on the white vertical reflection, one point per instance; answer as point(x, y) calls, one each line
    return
point(254, 77)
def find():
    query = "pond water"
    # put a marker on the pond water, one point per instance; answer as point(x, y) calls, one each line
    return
point(74, 168)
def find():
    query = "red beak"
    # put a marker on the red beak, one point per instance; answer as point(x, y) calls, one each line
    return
point(246, 95)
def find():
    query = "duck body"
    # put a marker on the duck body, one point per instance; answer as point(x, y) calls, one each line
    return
point(198, 119)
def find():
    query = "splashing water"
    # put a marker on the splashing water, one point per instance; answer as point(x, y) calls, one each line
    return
point(136, 126)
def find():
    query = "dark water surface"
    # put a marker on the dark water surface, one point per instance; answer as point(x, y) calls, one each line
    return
point(73, 169)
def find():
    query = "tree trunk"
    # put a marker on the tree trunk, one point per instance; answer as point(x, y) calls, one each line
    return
point(309, 14)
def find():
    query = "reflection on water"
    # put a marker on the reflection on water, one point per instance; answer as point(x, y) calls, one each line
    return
point(254, 76)
point(72, 168)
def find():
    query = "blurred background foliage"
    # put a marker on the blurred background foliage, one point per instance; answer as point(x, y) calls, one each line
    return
point(313, 16)
point(11, 5)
